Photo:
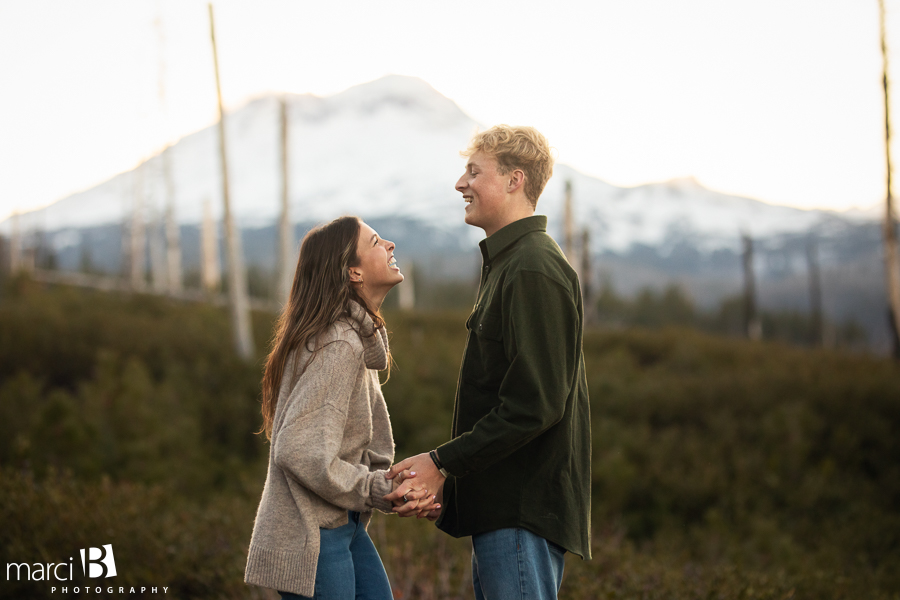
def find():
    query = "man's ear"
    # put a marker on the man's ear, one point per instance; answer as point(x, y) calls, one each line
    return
point(516, 180)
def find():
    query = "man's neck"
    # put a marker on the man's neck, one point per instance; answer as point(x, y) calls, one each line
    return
point(517, 212)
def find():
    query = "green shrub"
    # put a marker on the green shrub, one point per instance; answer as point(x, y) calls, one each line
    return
point(721, 468)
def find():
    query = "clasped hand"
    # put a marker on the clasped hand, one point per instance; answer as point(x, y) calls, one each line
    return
point(417, 488)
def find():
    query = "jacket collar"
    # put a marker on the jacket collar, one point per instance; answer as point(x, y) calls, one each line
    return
point(507, 236)
point(375, 341)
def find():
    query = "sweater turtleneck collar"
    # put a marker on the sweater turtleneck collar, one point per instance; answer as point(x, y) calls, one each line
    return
point(375, 341)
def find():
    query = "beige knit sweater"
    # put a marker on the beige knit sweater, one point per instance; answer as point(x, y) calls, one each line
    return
point(331, 445)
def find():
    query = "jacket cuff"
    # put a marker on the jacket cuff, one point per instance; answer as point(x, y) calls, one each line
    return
point(452, 458)
point(380, 487)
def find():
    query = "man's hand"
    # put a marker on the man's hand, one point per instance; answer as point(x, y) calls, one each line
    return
point(423, 475)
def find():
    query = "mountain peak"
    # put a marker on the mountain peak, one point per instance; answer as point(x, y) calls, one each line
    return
point(688, 183)
point(401, 92)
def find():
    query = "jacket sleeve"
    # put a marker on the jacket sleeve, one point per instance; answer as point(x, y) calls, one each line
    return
point(540, 329)
point(306, 447)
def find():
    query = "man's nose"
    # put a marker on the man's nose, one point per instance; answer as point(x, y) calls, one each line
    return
point(460, 184)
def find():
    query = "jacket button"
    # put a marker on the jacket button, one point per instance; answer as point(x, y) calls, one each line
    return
point(480, 327)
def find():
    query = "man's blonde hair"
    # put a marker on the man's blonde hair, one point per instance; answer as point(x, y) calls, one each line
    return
point(517, 148)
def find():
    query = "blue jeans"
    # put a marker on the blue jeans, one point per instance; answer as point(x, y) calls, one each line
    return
point(349, 566)
point(513, 564)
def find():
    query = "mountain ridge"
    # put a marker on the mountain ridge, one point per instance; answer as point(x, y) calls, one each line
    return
point(390, 147)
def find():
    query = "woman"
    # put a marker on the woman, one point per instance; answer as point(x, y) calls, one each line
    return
point(327, 422)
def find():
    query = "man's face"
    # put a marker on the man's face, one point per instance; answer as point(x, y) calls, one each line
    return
point(484, 191)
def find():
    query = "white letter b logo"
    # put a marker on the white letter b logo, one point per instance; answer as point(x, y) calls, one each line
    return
point(99, 562)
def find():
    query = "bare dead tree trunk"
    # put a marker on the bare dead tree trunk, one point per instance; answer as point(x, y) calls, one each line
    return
point(815, 293)
point(752, 325)
point(237, 278)
point(891, 259)
point(407, 291)
point(5, 260)
point(15, 245)
point(210, 272)
point(138, 236)
point(173, 235)
point(569, 226)
point(285, 274)
point(158, 252)
point(587, 284)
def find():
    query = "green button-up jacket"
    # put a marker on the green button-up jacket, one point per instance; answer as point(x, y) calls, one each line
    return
point(521, 449)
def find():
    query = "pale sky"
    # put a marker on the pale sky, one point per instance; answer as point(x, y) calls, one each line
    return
point(778, 100)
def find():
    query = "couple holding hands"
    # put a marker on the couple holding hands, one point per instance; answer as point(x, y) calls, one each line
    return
point(515, 475)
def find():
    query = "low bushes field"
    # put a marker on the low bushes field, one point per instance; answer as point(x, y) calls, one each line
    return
point(721, 468)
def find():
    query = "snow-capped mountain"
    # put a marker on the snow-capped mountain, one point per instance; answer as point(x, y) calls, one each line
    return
point(390, 149)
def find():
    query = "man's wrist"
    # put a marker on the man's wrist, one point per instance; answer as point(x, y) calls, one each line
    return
point(437, 463)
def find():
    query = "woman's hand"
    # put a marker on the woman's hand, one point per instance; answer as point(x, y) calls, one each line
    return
point(435, 512)
point(411, 500)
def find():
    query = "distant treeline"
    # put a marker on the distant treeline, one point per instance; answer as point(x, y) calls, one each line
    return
point(672, 306)
point(721, 468)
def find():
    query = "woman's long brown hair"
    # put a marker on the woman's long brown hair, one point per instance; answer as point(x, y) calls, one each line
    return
point(320, 295)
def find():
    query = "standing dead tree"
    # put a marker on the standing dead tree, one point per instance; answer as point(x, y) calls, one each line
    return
point(815, 292)
point(752, 324)
point(285, 233)
point(891, 259)
point(569, 226)
point(210, 272)
point(587, 269)
point(237, 279)
point(15, 245)
point(156, 237)
point(172, 234)
point(407, 293)
point(138, 232)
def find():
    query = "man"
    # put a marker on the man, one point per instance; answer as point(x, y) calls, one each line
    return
point(518, 469)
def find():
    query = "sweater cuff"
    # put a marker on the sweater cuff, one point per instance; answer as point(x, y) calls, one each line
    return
point(381, 487)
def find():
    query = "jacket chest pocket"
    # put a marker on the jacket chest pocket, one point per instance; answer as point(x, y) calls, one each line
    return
point(486, 362)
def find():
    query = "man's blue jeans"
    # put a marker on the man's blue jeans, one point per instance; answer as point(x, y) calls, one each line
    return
point(349, 566)
point(513, 564)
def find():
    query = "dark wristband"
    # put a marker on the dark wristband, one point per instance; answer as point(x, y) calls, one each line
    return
point(437, 463)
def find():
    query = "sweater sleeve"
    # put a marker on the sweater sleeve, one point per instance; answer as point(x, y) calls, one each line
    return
point(381, 450)
point(307, 446)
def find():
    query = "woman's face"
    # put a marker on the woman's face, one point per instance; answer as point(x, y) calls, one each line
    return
point(377, 268)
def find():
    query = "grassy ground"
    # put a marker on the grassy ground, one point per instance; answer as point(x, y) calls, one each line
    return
point(721, 468)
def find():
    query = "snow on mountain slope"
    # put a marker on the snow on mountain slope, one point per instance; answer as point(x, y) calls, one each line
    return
point(390, 148)
point(668, 213)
